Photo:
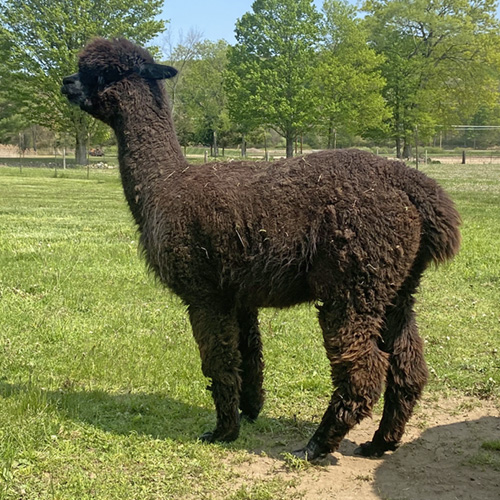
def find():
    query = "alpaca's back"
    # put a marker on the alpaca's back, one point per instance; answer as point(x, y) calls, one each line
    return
point(267, 230)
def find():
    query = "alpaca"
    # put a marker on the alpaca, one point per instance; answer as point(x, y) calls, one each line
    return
point(347, 230)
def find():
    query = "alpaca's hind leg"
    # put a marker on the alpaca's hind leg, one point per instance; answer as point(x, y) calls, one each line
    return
point(406, 377)
point(217, 335)
point(358, 371)
point(252, 364)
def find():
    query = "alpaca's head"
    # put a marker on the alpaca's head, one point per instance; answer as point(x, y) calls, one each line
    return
point(109, 70)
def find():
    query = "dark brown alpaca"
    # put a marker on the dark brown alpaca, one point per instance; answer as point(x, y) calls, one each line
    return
point(345, 229)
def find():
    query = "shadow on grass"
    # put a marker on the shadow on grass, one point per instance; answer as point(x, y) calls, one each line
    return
point(161, 417)
point(444, 462)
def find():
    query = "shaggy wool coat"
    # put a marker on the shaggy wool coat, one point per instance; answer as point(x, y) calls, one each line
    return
point(347, 230)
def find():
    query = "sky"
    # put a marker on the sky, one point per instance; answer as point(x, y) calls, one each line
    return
point(215, 19)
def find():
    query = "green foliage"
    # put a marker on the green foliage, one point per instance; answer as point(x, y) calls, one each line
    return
point(405, 66)
point(200, 108)
point(270, 71)
point(11, 122)
point(11, 117)
point(441, 61)
point(348, 76)
point(42, 40)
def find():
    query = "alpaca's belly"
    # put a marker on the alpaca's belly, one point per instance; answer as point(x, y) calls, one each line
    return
point(284, 289)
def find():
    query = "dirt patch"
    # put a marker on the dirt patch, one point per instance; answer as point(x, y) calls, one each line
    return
point(433, 462)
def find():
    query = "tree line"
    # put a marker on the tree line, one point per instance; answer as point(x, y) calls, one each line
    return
point(389, 71)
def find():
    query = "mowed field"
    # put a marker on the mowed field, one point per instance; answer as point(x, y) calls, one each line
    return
point(102, 395)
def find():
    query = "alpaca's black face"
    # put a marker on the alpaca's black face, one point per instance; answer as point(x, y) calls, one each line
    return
point(92, 94)
point(73, 89)
point(106, 69)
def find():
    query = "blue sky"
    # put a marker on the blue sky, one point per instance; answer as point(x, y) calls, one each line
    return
point(216, 19)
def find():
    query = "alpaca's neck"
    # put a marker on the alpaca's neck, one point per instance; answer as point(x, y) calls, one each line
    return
point(149, 154)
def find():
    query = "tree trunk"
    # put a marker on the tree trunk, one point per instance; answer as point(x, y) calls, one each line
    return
point(81, 147)
point(289, 145)
point(416, 147)
point(407, 151)
point(216, 147)
point(398, 129)
point(243, 146)
point(33, 136)
point(330, 135)
point(398, 147)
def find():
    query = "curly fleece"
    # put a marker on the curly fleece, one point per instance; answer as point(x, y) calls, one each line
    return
point(347, 230)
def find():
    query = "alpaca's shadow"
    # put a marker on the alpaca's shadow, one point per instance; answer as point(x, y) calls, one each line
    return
point(161, 417)
point(445, 462)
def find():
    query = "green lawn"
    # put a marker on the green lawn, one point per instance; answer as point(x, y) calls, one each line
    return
point(101, 392)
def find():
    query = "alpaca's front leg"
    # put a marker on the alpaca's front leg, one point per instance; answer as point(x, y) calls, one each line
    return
point(217, 335)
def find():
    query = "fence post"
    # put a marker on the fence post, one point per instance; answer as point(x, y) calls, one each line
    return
point(463, 157)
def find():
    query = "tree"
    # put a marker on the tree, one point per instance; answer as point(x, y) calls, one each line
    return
point(44, 38)
point(348, 75)
point(180, 55)
point(439, 61)
point(269, 78)
point(200, 111)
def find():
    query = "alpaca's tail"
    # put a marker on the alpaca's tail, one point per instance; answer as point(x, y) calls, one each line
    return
point(440, 219)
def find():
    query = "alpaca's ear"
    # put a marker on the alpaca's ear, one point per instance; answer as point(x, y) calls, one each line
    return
point(156, 71)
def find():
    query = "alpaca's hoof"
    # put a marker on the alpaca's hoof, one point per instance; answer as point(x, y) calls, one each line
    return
point(374, 450)
point(207, 437)
point(217, 436)
point(310, 452)
point(249, 417)
point(250, 409)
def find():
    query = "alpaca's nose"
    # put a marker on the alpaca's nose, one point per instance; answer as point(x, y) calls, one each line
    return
point(69, 80)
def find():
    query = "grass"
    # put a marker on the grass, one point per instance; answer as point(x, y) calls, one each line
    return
point(101, 392)
point(458, 306)
point(488, 456)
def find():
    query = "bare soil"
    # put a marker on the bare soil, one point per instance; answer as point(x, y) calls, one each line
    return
point(435, 460)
